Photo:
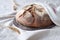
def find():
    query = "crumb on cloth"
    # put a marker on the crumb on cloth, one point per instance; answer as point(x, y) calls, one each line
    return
point(14, 29)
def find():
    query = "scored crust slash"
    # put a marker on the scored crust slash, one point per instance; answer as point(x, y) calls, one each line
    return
point(14, 29)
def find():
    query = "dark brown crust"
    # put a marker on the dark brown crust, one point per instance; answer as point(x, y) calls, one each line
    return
point(38, 21)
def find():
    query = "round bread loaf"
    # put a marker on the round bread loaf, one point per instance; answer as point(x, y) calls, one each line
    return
point(34, 16)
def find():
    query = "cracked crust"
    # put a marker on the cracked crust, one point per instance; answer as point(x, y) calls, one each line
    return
point(34, 16)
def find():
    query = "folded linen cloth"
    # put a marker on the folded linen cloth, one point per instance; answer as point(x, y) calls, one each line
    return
point(7, 16)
